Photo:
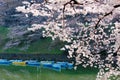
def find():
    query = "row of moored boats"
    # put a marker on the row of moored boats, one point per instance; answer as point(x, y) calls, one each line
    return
point(57, 66)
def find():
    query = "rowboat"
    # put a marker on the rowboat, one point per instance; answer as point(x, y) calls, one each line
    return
point(56, 67)
point(47, 64)
point(63, 64)
point(32, 63)
point(18, 62)
point(70, 65)
point(4, 62)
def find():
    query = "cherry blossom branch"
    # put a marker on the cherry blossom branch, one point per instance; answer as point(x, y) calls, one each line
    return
point(116, 6)
point(71, 2)
point(118, 49)
point(107, 14)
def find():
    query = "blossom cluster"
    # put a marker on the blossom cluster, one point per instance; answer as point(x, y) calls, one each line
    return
point(91, 29)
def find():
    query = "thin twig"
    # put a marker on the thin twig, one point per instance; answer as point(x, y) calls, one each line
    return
point(100, 19)
point(107, 14)
point(72, 3)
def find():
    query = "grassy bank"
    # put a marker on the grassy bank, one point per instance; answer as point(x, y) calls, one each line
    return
point(40, 46)
point(3, 32)
point(33, 73)
point(3, 37)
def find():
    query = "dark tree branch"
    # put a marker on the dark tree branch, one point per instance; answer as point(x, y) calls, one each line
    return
point(107, 14)
point(71, 2)
point(118, 50)
point(116, 6)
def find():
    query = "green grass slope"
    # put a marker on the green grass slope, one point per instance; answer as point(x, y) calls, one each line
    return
point(40, 46)
point(3, 36)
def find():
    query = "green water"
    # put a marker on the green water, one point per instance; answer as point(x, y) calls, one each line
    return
point(34, 73)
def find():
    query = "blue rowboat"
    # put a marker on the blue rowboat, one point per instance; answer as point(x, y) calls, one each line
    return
point(47, 64)
point(70, 65)
point(56, 67)
point(30, 60)
point(17, 60)
point(63, 64)
point(32, 63)
point(4, 62)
